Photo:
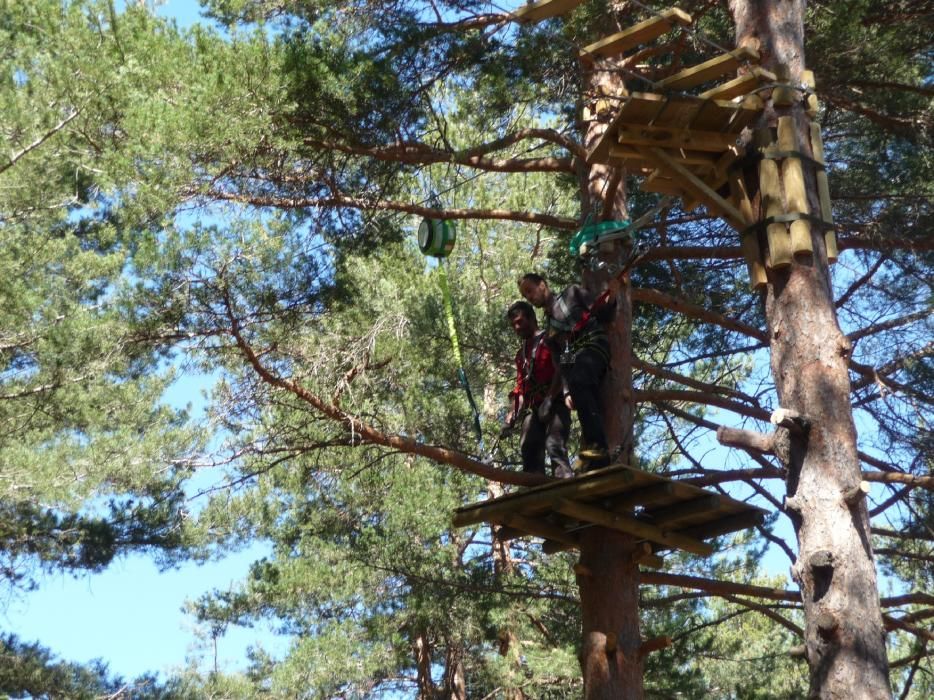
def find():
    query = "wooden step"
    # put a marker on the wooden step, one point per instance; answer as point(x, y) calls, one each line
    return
point(544, 9)
point(640, 33)
point(710, 70)
point(742, 85)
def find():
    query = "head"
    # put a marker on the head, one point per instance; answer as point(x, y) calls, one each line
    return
point(534, 289)
point(521, 317)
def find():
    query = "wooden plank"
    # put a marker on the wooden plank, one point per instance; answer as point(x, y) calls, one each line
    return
point(539, 528)
point(651, 109)
point(697, 188)
point(667, 137)
point(632, 526)
point(698, 159)
point(779, 253)
point(544, 9)
point(662, 185)
point(677, 514)
point(749, 242)
point(709, 70)
point(539, 498)
point(640, 33)
point(739, 86)
point(731, 523)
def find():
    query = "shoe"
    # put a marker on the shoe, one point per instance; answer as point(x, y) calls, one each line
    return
point(592, 453)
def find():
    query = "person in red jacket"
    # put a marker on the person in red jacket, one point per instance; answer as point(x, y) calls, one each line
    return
point(575, 331)
point(537, 399)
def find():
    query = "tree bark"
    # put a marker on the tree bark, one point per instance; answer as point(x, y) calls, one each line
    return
point(608, 579)
point(809, 355)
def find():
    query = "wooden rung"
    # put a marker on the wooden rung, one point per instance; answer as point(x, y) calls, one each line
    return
point(544, 9)
point(739, 86)
point(640, 33)
point(669, 137)
point(630, 525)
point(709, 70)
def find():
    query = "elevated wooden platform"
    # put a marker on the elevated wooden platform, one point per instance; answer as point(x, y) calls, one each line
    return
point(664, 513)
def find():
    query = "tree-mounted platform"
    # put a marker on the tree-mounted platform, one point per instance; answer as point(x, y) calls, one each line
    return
point(684, 137)
point(663, 513)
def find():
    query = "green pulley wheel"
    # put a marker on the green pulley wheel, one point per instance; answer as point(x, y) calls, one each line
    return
point(436, 237)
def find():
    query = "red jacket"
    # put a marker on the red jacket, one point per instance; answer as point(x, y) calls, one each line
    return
point(535, 371)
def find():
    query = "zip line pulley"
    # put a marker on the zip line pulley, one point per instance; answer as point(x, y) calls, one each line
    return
point(436, 238)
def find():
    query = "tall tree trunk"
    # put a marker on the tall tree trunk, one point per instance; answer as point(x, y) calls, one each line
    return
point(510, 646)
point(607, 577)
point(844, 632)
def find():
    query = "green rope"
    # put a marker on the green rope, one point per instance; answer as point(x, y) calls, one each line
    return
point(452, 330)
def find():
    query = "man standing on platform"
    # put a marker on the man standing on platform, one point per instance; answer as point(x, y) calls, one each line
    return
point(537, 399)
point(575, 333)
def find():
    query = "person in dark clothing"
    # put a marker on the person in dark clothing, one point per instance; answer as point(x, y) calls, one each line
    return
point(537, 398)
point(575, 331)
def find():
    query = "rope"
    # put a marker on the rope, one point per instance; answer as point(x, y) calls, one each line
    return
point(452, 331)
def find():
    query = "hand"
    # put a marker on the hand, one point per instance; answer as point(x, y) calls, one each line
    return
point(569, 402)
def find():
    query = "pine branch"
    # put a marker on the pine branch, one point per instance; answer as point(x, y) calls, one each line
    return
point(363, 203)
point(365, 432)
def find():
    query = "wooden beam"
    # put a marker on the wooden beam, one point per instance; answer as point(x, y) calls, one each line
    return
point(672, 137)
point(539, 528)
point(640, 33)
point(739, 86)
point(709, 70)
point(700, 159)
point(544, 9)
point(540, 498)
point(697, 188)
point(730, 523)
point(632, 526)
point(677, 513)
point(657, 182)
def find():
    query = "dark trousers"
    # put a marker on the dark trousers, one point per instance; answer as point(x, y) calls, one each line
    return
point(546, 435)
point(585, 379)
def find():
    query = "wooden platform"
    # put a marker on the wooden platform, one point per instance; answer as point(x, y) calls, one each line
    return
point(662, 512)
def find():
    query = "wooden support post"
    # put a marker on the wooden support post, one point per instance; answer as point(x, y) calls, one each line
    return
point(749, 240)
point(823, 191)
point(779, 253)
point(796, 200)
